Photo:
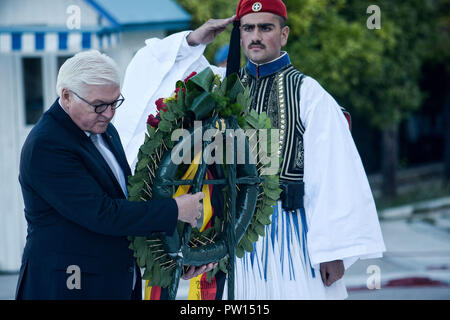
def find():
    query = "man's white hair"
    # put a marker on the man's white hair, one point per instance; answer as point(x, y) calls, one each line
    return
point(87, 68)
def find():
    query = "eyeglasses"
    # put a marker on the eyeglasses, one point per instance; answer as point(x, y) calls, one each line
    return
point(99, 108)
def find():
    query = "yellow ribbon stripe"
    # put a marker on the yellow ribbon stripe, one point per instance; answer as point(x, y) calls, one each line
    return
point(194, 287)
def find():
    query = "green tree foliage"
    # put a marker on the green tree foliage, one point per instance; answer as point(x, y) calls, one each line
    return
point(440, 42)
point(440, 56)
point(374, 72)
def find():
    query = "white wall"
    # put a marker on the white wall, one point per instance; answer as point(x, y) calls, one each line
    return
point(13, 130)
point(12, 221)
point(43, 12)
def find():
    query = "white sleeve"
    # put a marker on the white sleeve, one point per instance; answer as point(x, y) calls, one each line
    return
point(341, 213)
point(152, 74)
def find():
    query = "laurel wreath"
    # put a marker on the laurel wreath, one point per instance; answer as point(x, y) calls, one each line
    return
point(230, 100)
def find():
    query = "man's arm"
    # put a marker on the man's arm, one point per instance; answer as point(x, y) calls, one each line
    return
point(342, 219)
point(153, 73)
point(61, 179)
point(208, 31)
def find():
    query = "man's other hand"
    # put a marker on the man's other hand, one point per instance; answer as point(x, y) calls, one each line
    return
point(195, 271)
point(331, 271)
point(190, 207)
point(208, 31)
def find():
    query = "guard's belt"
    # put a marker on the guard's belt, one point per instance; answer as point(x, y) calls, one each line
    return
point(292, 195)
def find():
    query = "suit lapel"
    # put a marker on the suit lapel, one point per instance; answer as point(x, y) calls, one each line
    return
point(99, 158)
point(63, 119)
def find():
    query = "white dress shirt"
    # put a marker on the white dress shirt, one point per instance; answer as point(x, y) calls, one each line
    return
point(112, 162)
point(110, 159)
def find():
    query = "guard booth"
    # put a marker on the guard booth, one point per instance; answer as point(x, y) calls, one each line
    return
point(36, 37)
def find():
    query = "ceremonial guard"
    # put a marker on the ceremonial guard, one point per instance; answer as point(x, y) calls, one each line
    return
point(326, 218)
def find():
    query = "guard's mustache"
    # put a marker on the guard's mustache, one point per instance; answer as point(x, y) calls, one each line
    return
point(256, 44)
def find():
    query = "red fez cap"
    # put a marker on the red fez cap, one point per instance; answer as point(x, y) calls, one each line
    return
point(253, 6)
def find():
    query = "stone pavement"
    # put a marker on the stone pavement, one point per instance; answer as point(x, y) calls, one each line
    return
point(8, 284)
point(415, 266)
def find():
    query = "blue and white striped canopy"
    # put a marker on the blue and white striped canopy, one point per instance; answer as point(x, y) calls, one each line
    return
point(55, 41)
point(118, 16)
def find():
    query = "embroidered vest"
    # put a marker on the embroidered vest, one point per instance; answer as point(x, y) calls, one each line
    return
point(275, 88)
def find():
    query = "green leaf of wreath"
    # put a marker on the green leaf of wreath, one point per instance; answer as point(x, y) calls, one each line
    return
point(259, 228)
point(247, 244)
point(165, 126)
point(143, 163)
point(239, 253)
point(252, 235)
point(135, 189)
point(203, 105)
point(272, 194)
point(168, 116)
point(204, 79)
point(203, 94)
point(147, 148)
point(264, 220)
point(151, 131)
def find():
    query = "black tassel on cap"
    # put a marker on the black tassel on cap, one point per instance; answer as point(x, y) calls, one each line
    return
point(234, 53)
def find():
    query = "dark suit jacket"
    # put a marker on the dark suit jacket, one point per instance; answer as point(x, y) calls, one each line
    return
point(77, 215)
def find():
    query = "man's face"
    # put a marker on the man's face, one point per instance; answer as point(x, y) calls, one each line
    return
point(262, 36)
point(83, 114)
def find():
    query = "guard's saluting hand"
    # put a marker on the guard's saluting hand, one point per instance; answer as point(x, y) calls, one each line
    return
point(208, 31)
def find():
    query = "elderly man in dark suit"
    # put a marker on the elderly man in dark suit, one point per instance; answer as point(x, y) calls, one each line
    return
point(73, 174)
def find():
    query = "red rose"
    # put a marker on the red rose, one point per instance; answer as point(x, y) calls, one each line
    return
point(160, 105)
point(178, 89)
point(190, 76)
point(153, 121)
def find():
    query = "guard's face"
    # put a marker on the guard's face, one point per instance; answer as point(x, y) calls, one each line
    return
point(83, 114)
point(262, 36)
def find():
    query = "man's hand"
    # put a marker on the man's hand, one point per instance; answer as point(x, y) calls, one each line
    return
point(190, 207)
point(195, 271)
point(208, 31)
point(331, 271)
